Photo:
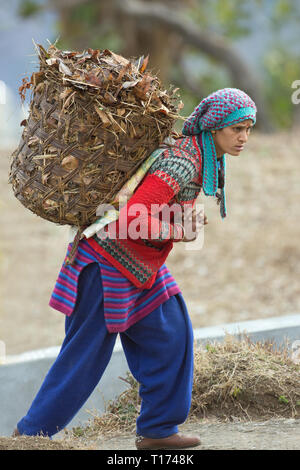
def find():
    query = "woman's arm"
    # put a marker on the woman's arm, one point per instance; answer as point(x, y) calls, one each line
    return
point(148, 212)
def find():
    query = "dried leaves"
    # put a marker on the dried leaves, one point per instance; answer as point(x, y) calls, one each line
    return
point(106, 71)
point(26, 85)
point(103, 116)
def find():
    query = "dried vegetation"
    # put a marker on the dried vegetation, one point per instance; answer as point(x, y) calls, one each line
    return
point(233, 380)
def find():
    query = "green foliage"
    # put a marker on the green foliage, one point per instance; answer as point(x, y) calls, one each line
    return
point(281, 68)
point(283, 399)
point(234, 18)
point(236, 392)
point(96, 41)
point(210, 348)
point(284, 11)
point(28, 8)
point(229, 18)
point(216, 78)
point(78, 431)
point(86, 22)
point(109, 40)
point(85, 14)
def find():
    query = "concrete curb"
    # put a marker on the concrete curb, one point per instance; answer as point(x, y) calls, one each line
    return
point(22, 375)
point(277, 329)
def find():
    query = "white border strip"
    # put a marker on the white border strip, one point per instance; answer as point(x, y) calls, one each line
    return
point(251, 326)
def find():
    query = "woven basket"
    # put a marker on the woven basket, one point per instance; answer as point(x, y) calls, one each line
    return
point(94, 118)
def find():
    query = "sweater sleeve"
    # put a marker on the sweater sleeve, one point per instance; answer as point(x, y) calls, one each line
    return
point(148, 212)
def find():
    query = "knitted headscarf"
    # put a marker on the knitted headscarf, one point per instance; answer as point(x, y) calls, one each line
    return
point(220, 109)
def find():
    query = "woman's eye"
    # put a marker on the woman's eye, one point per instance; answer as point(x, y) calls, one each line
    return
point(239, 129)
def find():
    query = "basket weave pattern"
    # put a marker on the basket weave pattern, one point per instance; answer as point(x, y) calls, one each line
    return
point(94, 118)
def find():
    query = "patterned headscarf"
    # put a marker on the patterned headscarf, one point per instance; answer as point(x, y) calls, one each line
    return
point(220, 109)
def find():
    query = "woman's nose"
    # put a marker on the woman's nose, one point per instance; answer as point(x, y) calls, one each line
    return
point(243, 137)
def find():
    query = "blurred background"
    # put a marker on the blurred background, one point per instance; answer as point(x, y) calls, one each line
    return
point(248, 267)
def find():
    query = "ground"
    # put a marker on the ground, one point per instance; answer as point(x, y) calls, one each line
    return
point(247, 268)
point(274, 434)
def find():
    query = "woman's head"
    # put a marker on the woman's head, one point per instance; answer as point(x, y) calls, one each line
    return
point(222, 123)
point(232, 139)
point(220, 109)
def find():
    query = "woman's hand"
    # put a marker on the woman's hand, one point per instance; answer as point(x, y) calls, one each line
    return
point(193, 223)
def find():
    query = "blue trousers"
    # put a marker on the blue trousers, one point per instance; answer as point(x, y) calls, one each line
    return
point(159, 352)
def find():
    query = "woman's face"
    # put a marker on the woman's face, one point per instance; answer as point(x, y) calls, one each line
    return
point(232, 139)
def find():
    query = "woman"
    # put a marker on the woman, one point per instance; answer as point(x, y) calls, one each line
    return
point(120, 285)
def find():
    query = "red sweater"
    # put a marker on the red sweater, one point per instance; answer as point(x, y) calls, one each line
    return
point(140, 241)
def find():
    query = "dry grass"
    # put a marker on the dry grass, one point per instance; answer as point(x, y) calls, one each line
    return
point(246, 380)
point(38, 443)
point(235, 379)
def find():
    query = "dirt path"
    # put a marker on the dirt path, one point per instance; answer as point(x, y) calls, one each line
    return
point(279, 434)
point(274, 434)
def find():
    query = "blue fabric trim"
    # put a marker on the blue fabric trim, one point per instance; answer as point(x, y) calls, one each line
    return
point(238, 116)
point(62, 299)
point(65, 289)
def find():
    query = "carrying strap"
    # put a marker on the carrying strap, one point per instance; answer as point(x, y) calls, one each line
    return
point(73, 252)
